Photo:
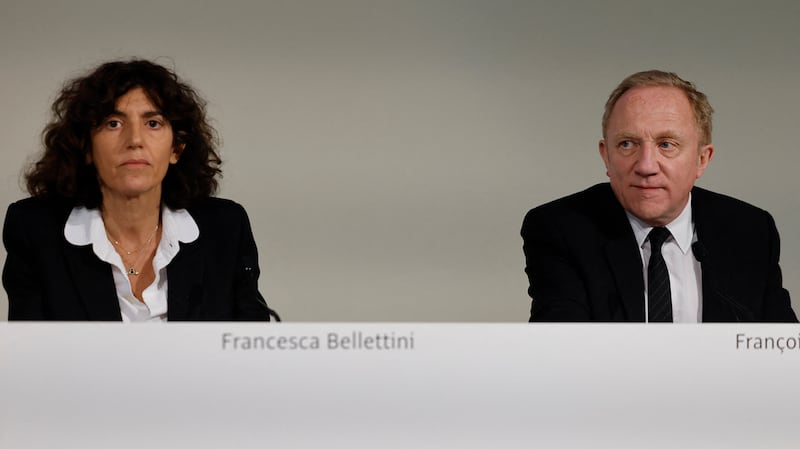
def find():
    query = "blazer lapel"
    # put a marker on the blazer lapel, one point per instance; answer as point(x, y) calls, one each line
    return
point(718, 305)
point(185, 281)
point(625, 262)
point(622, 254)
point(94, 283)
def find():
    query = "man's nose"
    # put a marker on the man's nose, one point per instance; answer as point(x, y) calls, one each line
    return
point(647, 163)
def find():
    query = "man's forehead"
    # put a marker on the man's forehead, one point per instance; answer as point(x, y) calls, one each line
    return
point(653, 96)
point(651, 106)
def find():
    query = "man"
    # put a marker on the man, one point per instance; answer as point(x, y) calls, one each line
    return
point(649, 246)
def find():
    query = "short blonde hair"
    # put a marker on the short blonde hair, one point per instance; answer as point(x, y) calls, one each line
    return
point(651, 78)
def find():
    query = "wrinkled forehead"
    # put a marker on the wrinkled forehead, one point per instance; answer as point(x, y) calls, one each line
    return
point(652, 103)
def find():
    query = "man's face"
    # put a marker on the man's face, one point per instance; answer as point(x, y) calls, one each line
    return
point(652, 152)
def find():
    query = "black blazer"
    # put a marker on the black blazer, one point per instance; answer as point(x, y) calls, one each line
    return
point(583, 263)
point(47, 278)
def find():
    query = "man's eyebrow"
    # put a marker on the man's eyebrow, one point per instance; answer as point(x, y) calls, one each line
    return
point(668, 134)
point(625, 135)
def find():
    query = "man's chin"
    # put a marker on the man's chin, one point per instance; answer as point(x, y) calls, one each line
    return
point(653, 219)
point(649, 194)
point(651, 214)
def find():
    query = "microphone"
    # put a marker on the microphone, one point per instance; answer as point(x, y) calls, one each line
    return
point(272, 313)
point(741, 312)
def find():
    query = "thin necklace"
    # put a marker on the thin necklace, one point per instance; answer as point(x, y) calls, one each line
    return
point(132, 271)
point(132, 268)
point(116, 242)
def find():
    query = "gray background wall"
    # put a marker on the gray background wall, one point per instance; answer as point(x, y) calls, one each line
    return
point(387, 151)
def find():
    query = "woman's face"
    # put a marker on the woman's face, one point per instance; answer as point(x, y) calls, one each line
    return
point(132, 148)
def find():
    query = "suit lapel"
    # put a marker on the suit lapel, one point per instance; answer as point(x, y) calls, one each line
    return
point(623, 257)
point(185, 281)
point(626, 265)
point(94, 283)
point(717, 305)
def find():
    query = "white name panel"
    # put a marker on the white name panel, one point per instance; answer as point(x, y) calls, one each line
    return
point(389, 385)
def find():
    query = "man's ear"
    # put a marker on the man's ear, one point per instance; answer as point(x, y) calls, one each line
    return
point(601, 146)
point(704, 156)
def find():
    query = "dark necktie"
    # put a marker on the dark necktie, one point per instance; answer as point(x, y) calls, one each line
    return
point(659, 298)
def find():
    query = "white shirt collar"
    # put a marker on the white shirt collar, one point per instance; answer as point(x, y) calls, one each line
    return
point(681, 228)
point(85, 227)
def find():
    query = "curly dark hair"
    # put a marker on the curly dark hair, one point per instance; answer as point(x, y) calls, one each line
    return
point(83, 104)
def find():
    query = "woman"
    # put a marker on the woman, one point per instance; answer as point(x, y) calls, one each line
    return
point(121, 223)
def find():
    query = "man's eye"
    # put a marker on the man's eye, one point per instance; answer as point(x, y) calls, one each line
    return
point(625, 144)
point(113, 124)
point(666, 146)
point(155, 124)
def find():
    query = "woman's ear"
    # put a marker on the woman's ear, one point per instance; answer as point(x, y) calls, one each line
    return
point(176, 153)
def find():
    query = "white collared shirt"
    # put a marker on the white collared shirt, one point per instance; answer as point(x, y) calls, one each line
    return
point(85, 227)
point(685, 276)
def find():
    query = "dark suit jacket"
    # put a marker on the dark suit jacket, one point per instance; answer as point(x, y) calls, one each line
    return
point(47, 278)
point(583, 262)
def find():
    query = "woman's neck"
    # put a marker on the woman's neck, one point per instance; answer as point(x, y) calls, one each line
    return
point(131, 220)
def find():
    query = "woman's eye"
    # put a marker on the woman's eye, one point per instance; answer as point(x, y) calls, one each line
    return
point(155, 124)
point(113, 124)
